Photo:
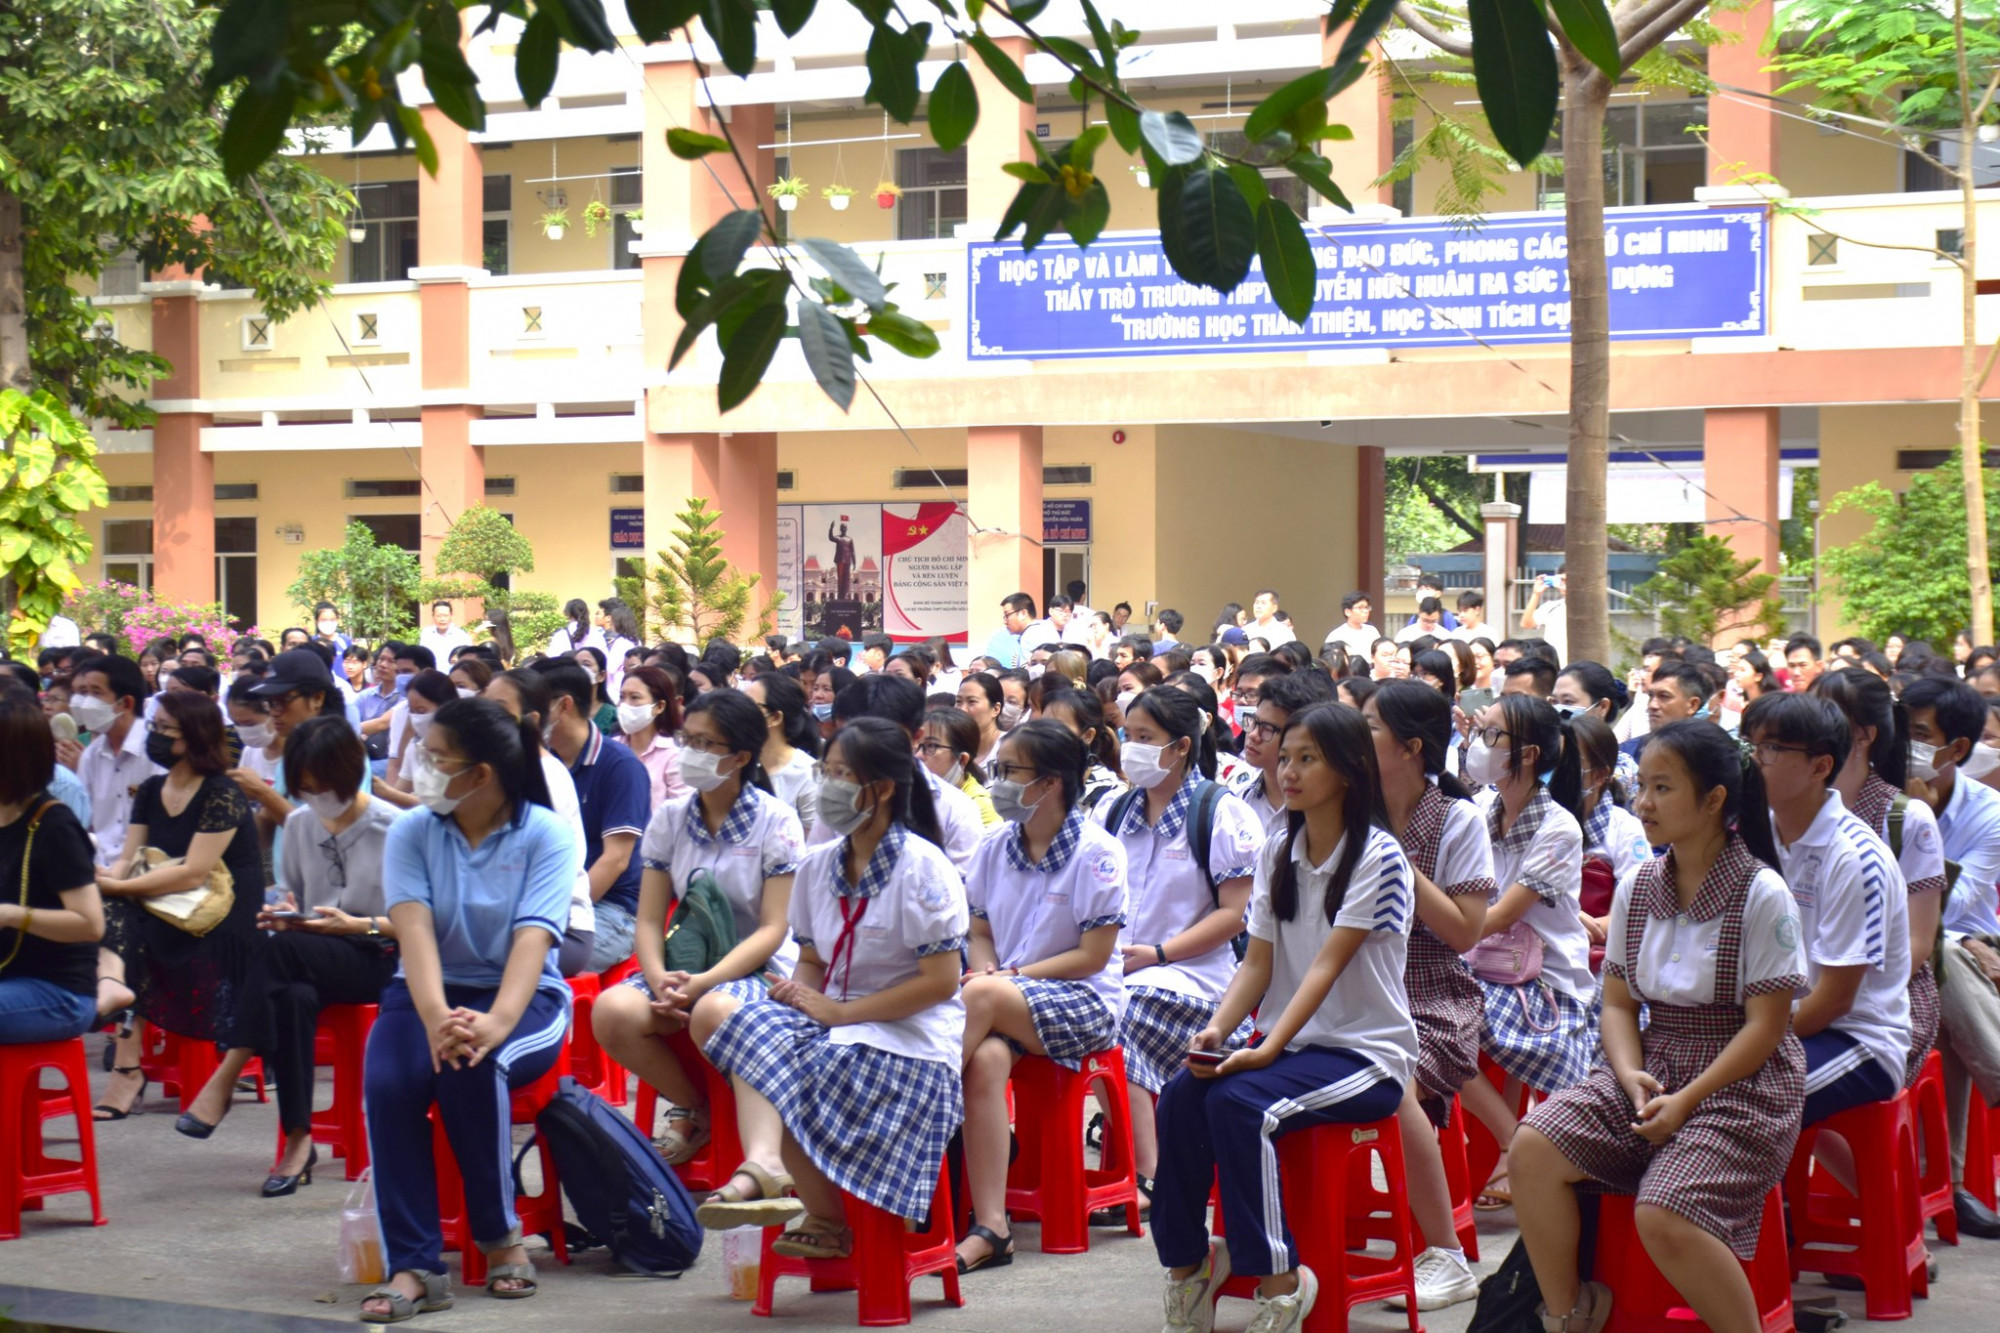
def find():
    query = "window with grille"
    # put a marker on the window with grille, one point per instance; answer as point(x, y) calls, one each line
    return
point(128, 551)
point(388, 248)
point(496, 222)
point(236, 490)
point(628, 483)
point(383, 488)
point(625, 191)
point(933, 185)
point(500, 486)
point(400, 530)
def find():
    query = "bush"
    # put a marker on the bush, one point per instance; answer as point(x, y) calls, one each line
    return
point(136, 618)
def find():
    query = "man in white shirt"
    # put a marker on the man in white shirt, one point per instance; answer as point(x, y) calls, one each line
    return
point(1264, 623)
point(61, 633)
point(1429, 621)
point(1078, 610)
point(1051, 629)
point(1355, 634)
point(1547, 611)
point(1472, 616)
point(443, 636)
point(104, 700)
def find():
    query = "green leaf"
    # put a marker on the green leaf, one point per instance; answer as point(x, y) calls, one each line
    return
point(1086, 217)
point(1045, 213)
point(954, 106)
point(823, 339)
point(1272, 113)
point(1514, 64)
point(1073, 54)
point(655, 20)
point(1100, 34)
point(709, 309)
point(792, 15)
point(892, 73)
point(248, 37)
point(586, 21)
point(1026, 171)
point(1082, 151)
point(1369, 20)
point(1251, 182)
point(535, 57)
point(723, 245)
point(1002, 67)
point(692, 145)
point(1171, 135)
point(1317, 172)
point(1124, 123)
point(1289, 269)
point(733, 25)
point(1588, 25)
point(845, 267)
point(748, 354)
point(1018, 209)
point(453, 85)
point(911, 337)
point(1027, 11)
point(1218, 231)
point(256, 128)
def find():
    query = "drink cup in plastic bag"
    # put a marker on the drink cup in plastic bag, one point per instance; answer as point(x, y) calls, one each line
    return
point(361, 1234)
point(741, 1249)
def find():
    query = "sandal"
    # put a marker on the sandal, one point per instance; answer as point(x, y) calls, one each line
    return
point(1002, 1252)
point(138, 1106)
point(687, 1133)
point(771, 1206)
point(1496, 1195)
point(437, 1296)
point(816, 1238)
point(1115, 1216)
point(1590, 1314)
point(518, 1272)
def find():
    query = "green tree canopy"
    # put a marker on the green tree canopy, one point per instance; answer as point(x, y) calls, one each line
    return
point(374, 587)
point(1907, 575)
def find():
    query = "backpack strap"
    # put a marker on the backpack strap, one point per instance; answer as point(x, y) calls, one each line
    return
point(1121, 808)
point(1201, 833)
point(1898, 807)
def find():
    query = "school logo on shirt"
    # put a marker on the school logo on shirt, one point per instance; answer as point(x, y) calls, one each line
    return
point(1787, 931)
point(1106, 869)
point(1247, 838)
point(1926, 839)
point(934, 894)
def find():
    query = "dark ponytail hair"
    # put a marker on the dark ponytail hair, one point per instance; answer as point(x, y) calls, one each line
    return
point(1204, 694)
point(433, 686)
point(1051, 749)
point(531, 687)
point(955, 727)
point(1177, 713)
point(879, 751)
point(785, 697)
point(1532, 720)
point(1868, 702)
point(1713, 760)
point(1410, 710)
point(1344, 742)
point(482, 731)
point(1597, 747)
point(1086, 714)
point(743, 729)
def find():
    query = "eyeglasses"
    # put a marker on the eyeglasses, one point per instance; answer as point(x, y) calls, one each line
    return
point(928, 748)
point(1767, 752)
point(1490, 736)
point(337, 876)
point(1006, 772)
point(824, 772)
point(706, 746)
point(1261, 730)
point(1248, 698)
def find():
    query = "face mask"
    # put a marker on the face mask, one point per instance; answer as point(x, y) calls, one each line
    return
point(403, 679)
point(1125, 699)
point(160, 749)
point(1482, 764)
point(822, 712)
point(634, 718)
point(1923, 761)
point(1010, 716)
point(1206, 674)
point(1142, 764)
point(1983, 760)
point(464, 693)
point(703, 770)
point(1007, 802)
point(420, 724)
point(955, 775)
point(326, 805)
point(840, 806)
point(92, 713)
point(328, 628)
point(427, 784)
point(257, 737)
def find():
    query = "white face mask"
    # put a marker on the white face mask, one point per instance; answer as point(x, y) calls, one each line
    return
point(703, 770)
point(1010, 715)
point(1125, 699)
point(420, 724)
point(258, 736)
point(427, 784)
point(93, 714)
point(464, 693)
point(1204, 672)
point(1142, 765)
point(1007, 802)
point(1983, 760)
point(839, 806)
point(1482, 764)
point(955, 775)
point(326, 805)
point(634, 718)
point(328, 628)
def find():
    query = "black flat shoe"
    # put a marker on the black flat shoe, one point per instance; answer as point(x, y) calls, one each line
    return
point(103, 1113)
point(1974, 1217)
point(1115, 1217)
point(277, 1187)
point(1001, 1257)
point(193, 1126)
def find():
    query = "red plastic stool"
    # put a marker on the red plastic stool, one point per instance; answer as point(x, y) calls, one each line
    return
point(888, 1256)
point(617, 1080)
point(1482, 1152)
point(539, 1213)
point(1934, 1190)
point(1451, 1146)
point(28, 1174)
point(710, 1168)
point(181, 1065)
point(341, 1040)
point(1645, 1302)
point(586, 1057)
point(1048, 1180)
point(1982, 1149)
point(1323, 1162)
point(1887, 1253)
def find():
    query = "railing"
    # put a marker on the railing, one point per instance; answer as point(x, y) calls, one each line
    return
point(1632, 624)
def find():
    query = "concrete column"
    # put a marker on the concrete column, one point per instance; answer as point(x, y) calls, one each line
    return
point(1740, 472)
point(747, 491)
point(1371, 505)
point(1366, 108)
point(1503, 556)
point(183, 476)
point(449, 257)
point(996, 140)
point(676, 467)
point(1004, 495)
point(1742, 130)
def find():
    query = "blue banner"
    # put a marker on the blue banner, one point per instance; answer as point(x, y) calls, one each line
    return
point(1065, 521)
point(1676, 272)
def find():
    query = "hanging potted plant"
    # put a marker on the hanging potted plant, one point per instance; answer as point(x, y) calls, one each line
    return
point(787, 191)
point(595, 215)
point(357, 231)
point(886, 194)
point(838, 196)
point(1145, 176)
point(555, 222)
point(636, 220)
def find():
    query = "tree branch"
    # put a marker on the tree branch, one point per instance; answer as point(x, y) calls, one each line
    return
point(1666, 18)
point(1431, 494)
point(1451, 43)
point(1986, 98)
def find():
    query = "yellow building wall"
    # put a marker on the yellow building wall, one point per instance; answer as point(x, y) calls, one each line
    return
point(1858, 445)
point(1813, 164)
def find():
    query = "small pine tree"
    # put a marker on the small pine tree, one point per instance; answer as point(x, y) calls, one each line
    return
point(693, 590)
point(1703, 589)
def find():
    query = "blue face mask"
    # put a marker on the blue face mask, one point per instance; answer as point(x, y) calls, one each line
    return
point(822, 712)
point(1700, 713)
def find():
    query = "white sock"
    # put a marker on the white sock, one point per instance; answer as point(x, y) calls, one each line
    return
point(1459, 1255)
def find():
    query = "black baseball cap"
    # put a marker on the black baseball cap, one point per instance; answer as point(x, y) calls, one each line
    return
point(294, 671)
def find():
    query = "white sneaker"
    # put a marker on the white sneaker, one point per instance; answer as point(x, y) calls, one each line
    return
point(1441, 1281)
point(1191, 1300)
point(1287, 1314)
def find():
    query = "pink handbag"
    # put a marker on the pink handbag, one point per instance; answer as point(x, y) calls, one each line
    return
point(1511, 958)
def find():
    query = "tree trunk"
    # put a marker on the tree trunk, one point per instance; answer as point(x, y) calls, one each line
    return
point(13, 333)
point(1971, 453)
point(1586, 602)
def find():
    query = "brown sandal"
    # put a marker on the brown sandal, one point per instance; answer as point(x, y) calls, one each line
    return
point(729, 1207)
point(1497, 1194)
point(816, 1238)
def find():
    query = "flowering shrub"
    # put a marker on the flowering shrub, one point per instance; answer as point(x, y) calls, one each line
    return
point(136, 618)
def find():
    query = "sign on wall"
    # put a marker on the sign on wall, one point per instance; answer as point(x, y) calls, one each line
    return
point(1675, 272)
point(628, 529)
point(1066, 522)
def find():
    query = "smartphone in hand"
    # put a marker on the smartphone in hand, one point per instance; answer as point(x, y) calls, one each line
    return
point(1209, 1059)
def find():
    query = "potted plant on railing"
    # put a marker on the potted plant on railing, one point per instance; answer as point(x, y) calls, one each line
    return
point(636, 220)
point(595, 214)
point(357, 230)
point(838, 196)
point(787, 191)
point(886, 194)
point(555, 222)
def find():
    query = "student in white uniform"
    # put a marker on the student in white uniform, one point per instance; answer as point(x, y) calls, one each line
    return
point(1278, 697)
point(1614, 843)
point(791, 755)
point(856, 1056)
point(1047, 891)
point(732, 832)
point(1537, 1008)
point(1329, 926)
point(1854, 919)
point(525, 694)
point(1175, 949)
point(900, 700)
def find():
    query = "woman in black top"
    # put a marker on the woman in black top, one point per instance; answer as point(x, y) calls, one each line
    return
point(50, 916)
point(196, 813)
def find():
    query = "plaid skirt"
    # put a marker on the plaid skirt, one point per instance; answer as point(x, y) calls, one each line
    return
point(875, 1122)
point(1717, 1169)
point(1536, 1033)
point(1924, 1015)
point(1450, 1012)
point(1159, 1024)
point(1071, 1020)
point(745, 989)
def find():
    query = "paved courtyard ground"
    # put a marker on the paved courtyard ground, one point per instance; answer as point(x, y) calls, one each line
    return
point(191, 1246)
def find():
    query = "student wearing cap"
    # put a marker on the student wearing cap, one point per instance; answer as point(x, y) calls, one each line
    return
point(298, 686)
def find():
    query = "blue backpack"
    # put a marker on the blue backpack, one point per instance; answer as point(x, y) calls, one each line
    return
point(623, 1193)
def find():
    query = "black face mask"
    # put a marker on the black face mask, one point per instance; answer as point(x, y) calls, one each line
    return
point(160, 749)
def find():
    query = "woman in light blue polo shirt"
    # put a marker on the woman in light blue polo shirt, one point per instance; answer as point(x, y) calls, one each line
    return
point(478, 885)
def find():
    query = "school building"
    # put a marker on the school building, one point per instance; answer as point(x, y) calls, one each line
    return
point(1088, 415)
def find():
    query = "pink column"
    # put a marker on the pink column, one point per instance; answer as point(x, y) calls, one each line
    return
point(1740, 471)
point(1004, 497)
point(183, 476)
point(1742, 129)
point(747, 491)
point(996, 140)
point(449, 255)
point(1366, 108)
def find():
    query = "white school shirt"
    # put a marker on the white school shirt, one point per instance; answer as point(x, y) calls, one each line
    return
point(1970, 827)
point(759, 840)
point(112, 777)
point(1168, 894)
point(1039, 910)
point(1551, 863)
point(1361, 640)
point(1623, 838)
point(1264, 800)
point(1367, 1011)
point(1465, 850)
point(563, 800)
point(1676, 964)
point(915, 907)
point(1854, 912)
point(958, 821)
point(797, 787)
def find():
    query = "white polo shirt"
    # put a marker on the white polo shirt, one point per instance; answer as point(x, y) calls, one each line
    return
point(1550, 862)
point(759, 840)
point(1037, 910)
point(1854, 912)
point(563, 800)
point(1367, 1011)
point(911, 904)
point(958, 821)
point(112, 778)
point(1357, 641)
point(1676, 964)
point(1263, 798)
point(1970, 827)
point(1465, 852)
point(1616, 835)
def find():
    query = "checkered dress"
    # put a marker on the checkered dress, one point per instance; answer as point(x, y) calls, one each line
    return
point(877, 1123)
point(1445, 999)
point(1538, 1034)
point(1159, 1024)
point(1716, 1170)
point(1872, 807)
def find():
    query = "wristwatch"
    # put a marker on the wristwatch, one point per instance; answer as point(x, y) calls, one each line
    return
point(1160, 952)
point(373, 930)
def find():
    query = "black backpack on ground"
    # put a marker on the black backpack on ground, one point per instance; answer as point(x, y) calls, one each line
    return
point(1509, 1299)
point(624, 1194)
